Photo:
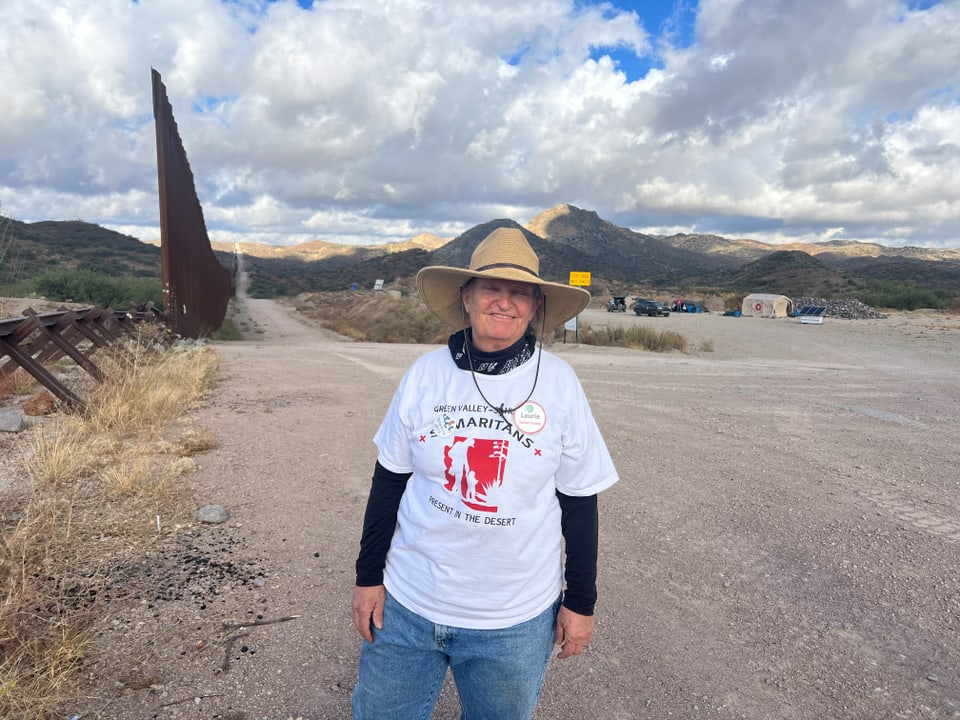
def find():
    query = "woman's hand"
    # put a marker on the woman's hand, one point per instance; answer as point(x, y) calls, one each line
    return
point(368, 608)
point(574, 631)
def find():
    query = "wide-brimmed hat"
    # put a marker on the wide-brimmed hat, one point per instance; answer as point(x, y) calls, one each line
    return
point(504, 254)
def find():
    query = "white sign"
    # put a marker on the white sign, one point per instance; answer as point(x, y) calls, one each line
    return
point(571, 324)
point(378, 285)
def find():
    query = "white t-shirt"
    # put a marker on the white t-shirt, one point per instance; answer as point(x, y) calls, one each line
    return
point(478, 540)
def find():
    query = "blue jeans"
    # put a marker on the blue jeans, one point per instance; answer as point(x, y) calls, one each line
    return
point(498, 673)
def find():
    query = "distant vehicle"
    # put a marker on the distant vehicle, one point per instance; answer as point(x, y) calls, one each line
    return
point(618, 304)
point(650, 308)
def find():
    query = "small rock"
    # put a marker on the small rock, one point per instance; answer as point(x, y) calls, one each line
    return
point(11, 420)
point(214, 514)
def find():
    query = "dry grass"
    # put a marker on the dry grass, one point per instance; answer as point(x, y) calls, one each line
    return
point(44, 621)
point(19, 382)
point(61, 452)
point(141, 395)
point(638, 337)
point(97, 484)
point(195, 440)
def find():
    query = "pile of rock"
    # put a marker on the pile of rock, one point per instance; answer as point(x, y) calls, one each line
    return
point(849, 308)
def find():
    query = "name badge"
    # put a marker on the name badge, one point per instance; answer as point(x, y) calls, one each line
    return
point(530, 418)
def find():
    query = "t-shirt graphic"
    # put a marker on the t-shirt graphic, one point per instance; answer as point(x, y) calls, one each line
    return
point(474, 469)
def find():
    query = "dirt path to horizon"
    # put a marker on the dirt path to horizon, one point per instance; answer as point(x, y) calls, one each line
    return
point(784, 541)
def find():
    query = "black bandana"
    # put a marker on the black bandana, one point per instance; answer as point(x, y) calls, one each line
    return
point(490, 363)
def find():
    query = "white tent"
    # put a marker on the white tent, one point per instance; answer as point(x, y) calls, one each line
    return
point(766, 305)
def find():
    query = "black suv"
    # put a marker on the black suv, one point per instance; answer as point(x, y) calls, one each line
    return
point(651, 308)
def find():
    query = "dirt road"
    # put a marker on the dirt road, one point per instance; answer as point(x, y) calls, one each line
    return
point(784, 541)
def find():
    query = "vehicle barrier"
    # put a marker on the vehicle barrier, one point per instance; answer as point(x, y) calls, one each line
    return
point(38, 339)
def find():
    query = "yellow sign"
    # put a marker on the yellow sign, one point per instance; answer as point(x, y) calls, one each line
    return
point(581, 279)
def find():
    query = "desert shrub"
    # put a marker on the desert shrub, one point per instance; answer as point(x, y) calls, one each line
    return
point(19, 382)
point(375, 317)
point(902, 296)
point(86, 286)
point(41, 403)
point(732, 302)
point(228, 331)
point(639, 337)
point(399, 319)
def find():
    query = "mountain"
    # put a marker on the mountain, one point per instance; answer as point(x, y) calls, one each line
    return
point(556, 259)
point(724, 251)
point(618, 253)
point(317, 250)
point(318, 265)
point(566, 238)
point(840, 265)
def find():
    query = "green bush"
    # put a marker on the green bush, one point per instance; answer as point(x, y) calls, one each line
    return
point(228, 331)
point(87, 286)
point(902, 296)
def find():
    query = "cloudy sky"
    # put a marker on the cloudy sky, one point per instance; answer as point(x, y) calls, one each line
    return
point(370, 121)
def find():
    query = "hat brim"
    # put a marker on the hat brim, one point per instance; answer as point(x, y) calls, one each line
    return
point(439, 288)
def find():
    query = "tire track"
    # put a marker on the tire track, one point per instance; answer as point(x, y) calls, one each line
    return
point(913, 514)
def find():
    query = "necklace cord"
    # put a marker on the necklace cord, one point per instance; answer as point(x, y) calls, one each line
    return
point(501, 410)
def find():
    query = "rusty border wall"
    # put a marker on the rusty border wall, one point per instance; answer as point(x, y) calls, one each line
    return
point(196, 286)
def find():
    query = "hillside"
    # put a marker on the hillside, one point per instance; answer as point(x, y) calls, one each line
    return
point(567, 238)
point(800, 273)
point(31, 248)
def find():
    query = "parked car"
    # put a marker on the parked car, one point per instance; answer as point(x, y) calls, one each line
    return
point(618, 304)
point(651, 308)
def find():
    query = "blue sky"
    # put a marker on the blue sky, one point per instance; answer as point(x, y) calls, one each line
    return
point(666, 21)
point(368, 122)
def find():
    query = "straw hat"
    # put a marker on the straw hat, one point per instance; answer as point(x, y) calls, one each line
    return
point(504, 254)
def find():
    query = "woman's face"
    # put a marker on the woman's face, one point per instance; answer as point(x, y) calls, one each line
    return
point(500, 311)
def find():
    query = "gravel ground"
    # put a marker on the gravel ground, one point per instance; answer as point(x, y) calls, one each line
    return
point(784, 541)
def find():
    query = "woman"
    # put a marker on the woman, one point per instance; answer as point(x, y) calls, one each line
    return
point(488, 471)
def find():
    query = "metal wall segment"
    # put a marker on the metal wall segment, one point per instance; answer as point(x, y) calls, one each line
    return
point(196, 287)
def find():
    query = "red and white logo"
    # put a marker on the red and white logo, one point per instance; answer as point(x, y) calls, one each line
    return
point(474, 471)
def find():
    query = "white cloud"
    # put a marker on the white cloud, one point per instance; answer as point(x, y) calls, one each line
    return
point(378, 121)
